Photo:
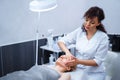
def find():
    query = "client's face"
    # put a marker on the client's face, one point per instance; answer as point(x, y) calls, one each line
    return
point(61, 61)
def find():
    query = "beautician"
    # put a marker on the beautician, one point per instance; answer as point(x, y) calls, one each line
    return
point(91, 44)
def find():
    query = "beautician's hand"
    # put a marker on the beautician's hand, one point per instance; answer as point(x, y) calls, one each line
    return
point(69, 56)
point(71, 62)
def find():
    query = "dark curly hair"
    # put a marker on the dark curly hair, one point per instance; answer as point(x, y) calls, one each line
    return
point(96, 12)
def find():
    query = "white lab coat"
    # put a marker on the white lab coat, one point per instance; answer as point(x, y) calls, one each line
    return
point(96, 48)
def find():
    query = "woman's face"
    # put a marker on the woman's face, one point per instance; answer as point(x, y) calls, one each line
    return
point(91, 24)
point(62, 60)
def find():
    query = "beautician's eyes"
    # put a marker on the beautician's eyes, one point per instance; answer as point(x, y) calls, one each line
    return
point(90, 21)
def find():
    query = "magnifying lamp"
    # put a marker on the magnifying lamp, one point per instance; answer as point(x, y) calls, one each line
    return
point(41, 6)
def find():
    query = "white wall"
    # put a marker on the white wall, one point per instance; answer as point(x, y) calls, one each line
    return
point(18, 23)
point(112, 13)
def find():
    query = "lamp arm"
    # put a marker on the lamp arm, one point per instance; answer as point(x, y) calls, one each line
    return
point(37, 38)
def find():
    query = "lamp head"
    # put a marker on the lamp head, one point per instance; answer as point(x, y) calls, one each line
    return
point(42, 5)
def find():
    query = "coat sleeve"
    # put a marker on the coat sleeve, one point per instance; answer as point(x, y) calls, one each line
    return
point(102, 50)
point(70, 38)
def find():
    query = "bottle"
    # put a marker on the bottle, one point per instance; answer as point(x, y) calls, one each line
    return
point(110, 46)
point(50, 38)
point(51, 58)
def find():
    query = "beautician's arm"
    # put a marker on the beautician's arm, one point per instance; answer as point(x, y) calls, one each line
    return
point(64, 48)
point(86, 62)
point(83, 62)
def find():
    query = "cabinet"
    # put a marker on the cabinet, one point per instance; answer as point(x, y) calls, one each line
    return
point(1, 65)
point(17, 57)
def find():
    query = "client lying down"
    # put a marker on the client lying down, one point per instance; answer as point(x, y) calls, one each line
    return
point(44, 72)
